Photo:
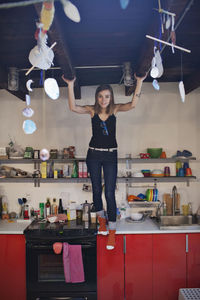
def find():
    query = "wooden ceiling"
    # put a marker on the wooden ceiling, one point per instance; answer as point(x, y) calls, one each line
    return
point(95, 49)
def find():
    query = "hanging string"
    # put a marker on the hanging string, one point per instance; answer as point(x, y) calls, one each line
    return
point(181, 66)
point(41, 78)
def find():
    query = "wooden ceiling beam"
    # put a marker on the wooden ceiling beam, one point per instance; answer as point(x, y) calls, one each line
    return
point(192, 82)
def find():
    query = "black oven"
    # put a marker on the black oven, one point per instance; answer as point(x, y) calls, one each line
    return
point(44, 269)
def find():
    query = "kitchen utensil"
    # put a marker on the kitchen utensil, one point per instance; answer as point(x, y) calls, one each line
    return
point(157, 173)
point(181, 172)
point(146, 173)
point(185, 209)
point(154, 152)
point(136, 216)
point(188, 172)
point(167, 171)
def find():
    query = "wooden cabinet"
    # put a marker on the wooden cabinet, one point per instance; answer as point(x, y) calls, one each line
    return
point(138, 267)
point(12, 267)
point(148, 266)
point(169, 265)
point(110, 269)
point(193, 260)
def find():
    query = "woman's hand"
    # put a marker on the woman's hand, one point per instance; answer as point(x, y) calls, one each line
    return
point(68, 81)
point(140, 78)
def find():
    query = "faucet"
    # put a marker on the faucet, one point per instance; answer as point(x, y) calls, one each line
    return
point(174, 201)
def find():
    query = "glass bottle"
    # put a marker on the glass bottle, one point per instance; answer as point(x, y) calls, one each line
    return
point(48, 207)
point(41, 210)
point(60, 207)
point(75, 170)
point(54, 207)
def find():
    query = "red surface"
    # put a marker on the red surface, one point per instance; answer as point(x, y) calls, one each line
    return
point(138, 267)
point(12, 267)
point(193, 261)
point(110, 269)
point(169, 265)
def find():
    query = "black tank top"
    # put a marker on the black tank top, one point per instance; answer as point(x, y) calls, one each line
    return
point(103, 132)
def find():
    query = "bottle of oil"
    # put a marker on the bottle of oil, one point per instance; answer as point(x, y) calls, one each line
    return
point(54, 208)
point(60, 207)
point(48, 207)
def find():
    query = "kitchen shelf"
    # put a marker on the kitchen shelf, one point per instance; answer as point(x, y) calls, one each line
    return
point(156, 160)
point(37, 162)
point(120, 160)
point(83, 180)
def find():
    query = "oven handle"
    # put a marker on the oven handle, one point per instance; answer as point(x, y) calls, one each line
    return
point(49, 247)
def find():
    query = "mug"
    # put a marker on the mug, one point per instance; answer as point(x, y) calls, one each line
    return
point(188, 172)
point(167, 171)
point(181, 172)
point(178, 166)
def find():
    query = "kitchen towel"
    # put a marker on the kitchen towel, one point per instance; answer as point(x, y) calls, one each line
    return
point(73, 263)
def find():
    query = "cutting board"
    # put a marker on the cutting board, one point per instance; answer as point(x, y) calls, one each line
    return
point(168, 200)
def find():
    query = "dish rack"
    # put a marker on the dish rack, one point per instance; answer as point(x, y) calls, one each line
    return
point(146, 207)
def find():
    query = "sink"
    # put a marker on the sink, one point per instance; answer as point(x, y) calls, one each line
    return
point(176, 222)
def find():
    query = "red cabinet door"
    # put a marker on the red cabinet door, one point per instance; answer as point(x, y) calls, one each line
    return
point(169, 265)
point(12, 267)
point(193, 261)
point(138, 267)
point(110, 269)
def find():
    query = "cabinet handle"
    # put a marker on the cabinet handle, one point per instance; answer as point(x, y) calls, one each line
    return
point(186, 243)
point(124, 244)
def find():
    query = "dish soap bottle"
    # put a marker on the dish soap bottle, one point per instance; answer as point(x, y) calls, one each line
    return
point(86, 211)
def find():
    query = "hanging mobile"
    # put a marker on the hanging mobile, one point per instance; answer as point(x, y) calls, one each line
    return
point(181, 84)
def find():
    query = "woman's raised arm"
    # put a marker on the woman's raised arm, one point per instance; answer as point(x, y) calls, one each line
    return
point(132, 104)
point(86, 109)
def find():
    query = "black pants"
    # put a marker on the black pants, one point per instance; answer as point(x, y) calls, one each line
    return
point(96, 160)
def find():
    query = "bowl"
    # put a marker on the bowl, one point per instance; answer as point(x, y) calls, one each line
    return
point(154, 152)
point(136, 216)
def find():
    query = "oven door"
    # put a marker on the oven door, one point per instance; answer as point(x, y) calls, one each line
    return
point(45, 273)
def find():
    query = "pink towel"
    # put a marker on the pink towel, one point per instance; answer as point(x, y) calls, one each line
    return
point(73, 263)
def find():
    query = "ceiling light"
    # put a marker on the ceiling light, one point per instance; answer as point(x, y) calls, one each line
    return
point(71, 11)
point(13, 79)
point(128, 74)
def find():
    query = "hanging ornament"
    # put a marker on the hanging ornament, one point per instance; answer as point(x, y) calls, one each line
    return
point(156, 85)
point(29, 126)
point(181, 84)
point(28, 85)
point(51, 88)
point(47, 15)
point(71, 11)
point(124, 3)
point(27, 111)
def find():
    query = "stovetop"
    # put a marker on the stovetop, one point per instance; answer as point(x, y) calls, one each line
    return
point(71, 229)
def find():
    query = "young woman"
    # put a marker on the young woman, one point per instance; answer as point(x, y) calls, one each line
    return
point(102, 152)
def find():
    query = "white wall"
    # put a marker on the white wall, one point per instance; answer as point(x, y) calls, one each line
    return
point(159, 120)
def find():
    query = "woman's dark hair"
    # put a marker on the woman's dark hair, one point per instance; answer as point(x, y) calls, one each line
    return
point(97, 107)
